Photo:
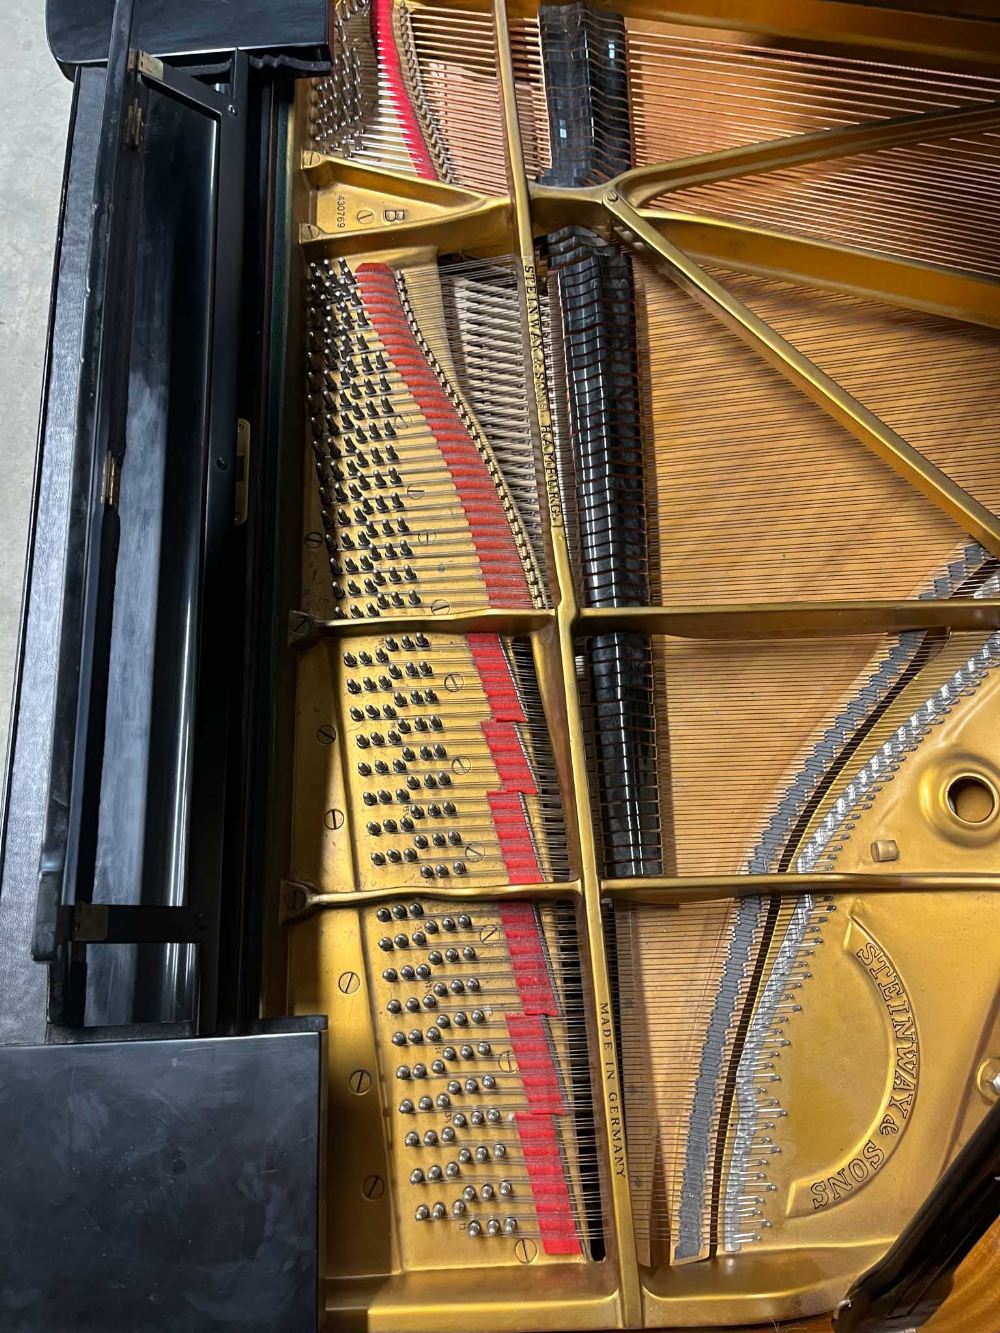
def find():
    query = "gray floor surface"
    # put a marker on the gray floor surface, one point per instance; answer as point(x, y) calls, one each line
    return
point(34, 115)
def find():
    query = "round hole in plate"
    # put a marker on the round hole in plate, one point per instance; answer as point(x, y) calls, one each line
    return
point(971, 799)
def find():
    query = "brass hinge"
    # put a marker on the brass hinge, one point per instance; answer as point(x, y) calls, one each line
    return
point(134, 125)
point(149, 66)
point(243, 480)
point(110, 481)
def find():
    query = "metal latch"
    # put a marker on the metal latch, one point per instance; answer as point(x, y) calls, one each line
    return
point(110, 481)
point(243, 460)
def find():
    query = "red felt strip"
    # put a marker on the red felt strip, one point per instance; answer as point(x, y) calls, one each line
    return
point(535, 1065)
point(509, 757)
point(511, 828)
point(389, 63)
point(553, 1209)
point(531, 973)
point(496, 550)
point(493, 670)
point(526, 1030)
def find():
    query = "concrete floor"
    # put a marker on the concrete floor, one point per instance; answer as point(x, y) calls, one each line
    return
point(34, 115)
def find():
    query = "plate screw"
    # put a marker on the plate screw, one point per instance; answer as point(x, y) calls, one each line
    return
point(295, 899)
point(360, 1081)
point(989, 1078)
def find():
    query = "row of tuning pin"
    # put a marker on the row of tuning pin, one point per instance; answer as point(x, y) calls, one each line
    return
point(353, 429)
point(419, 930)
point(415, 802)
point(492, 1227)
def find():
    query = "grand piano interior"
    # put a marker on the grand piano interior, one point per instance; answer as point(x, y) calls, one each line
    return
point(502, 825)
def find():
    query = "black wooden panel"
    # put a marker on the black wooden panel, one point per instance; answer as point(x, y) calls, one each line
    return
point(160, 1185)
point(78, 30)
point(22, 982)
